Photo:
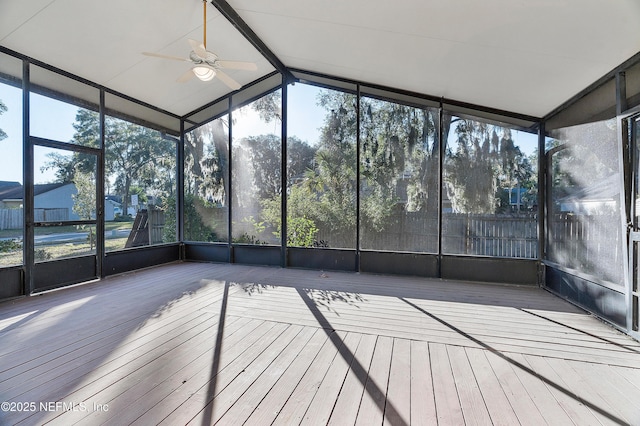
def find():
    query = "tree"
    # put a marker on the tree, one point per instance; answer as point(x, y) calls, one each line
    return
point(321, 183)
point(481, 166)
point(134, 154)
point(135, 157)
point(196, 227)
point(470, 181)
point(262, 153)
point(268, 107)
point(85, 199)
point(300, 158)
point(3, 109)
point(207, 162)
point(399, 149)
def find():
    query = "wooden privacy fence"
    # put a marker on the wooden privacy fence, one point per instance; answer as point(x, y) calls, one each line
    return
point(147, 228)
point(490, 235)
point(10, 219)
point(588, 243)
point(13, 218)
point(51, 215)
point(479, 235)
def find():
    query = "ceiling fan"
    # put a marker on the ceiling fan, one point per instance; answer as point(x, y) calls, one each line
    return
point(206, 64)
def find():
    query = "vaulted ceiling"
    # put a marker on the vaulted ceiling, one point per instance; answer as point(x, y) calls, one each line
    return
point(525, 56)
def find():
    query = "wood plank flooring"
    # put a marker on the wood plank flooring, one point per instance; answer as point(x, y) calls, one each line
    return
point(202, 344)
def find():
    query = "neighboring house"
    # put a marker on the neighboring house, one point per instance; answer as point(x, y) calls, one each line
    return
point(53, 198)
point(595, 197)
point(112, 206)
point(7, 192)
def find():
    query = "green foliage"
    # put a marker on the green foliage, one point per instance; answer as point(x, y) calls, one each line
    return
point(170, 229)
point(122, 218)
point(252, 238)
point(84, 202)
point(135, 156)
point(301, 232)
point(400, 146)
point(206, 161)
point(8, 246)
point(3, 109)
point(269, 106)
point(195, 229)
point(300, 158)
point(483, 163)
point(262, 153)
point(41, 255)
point(246, 238)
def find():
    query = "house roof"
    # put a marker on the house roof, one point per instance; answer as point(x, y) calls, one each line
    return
point(527, 57)
point(9, 189)
point(17, 193)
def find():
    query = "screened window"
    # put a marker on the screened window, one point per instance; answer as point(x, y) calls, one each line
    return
point(64, 191)
point(140, 185)
point(256, 178)
point(399, 158)
point(584, 223)
point(57, 105)
point(489, 189)
point(11, 191)
point(321, 168)
point(206, 191)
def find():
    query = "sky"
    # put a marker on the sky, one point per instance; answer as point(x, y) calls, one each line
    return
point(49, 119)
point(11, 124)
point(302, 122)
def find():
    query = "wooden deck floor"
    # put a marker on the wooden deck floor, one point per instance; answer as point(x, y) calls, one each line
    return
point(203, 343)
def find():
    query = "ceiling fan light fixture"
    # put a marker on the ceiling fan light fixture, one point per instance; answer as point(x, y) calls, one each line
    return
point(204, 72)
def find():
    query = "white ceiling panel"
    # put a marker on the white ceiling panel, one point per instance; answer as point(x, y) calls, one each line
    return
point(103, 42)
point(15, 13)
point(525, 56)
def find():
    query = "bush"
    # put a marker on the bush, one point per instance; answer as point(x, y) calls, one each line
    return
point(8, 246)
point(121, 218)
point(195, 229)
point(301, 232)
point(41, 255)
point(247, 239)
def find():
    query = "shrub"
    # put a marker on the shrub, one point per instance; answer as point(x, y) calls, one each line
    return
point(41, 255)
point(8, 246)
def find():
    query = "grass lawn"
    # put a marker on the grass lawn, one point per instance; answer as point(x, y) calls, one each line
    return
point(60, 251)
point(108, 227)
point(63, 250)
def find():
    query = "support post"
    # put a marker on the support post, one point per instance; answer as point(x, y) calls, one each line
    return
point(100, 179)
point(180, 189)
point(283, 177)
point(230, 187)
point(358, 95)
point(542, 191)
point(27, 177)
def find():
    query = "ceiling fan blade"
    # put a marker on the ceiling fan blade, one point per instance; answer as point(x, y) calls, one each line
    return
point(186, 76)
point(237, 65)
point(228, 80)
point(157, 55)
point(198, 48)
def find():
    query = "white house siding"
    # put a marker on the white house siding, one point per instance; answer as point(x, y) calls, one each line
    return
point(109, 210)
point(59, 198)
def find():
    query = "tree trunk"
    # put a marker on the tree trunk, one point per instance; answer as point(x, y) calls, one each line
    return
point(221, 142)
point(126, 197)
